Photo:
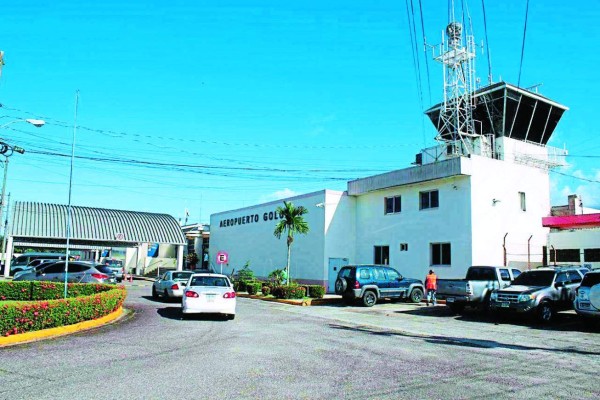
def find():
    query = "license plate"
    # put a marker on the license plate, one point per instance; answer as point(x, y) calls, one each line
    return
point(504, 305)
point(585, 305)
point(450, 300)
point(210, 298)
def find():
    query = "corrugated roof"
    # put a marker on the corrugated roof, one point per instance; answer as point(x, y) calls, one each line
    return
point(41, 220)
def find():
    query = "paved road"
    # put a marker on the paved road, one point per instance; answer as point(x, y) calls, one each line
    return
point(276, 351)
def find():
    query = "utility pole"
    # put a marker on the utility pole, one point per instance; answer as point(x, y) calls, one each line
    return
point(5, 230)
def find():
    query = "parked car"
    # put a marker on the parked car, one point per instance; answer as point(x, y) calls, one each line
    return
point(543, 291)
point(32, 268)
point(587, 301)
point(475, 289)
point(79, 272)
point(21, 262)
point(209, 293)
point(373, 282)
point(117, 267)
point(171, 284)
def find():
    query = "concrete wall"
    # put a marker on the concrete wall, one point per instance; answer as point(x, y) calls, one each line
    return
point(449, 223)
point(496, 211)
point(576, 239)
point(255, 243)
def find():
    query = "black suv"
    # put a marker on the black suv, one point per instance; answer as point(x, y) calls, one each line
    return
point(372, 282)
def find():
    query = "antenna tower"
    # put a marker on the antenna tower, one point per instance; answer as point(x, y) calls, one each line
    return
point(456, 53)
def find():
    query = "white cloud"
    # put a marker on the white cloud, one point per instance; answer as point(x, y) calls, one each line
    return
point(278, 195)
point(589, 192)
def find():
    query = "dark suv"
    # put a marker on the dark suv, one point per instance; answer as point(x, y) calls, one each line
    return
point(372, 282)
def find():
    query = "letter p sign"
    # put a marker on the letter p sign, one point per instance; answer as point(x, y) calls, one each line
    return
point(222, 257)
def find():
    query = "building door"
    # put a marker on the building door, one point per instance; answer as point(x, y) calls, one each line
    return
point(334, 267)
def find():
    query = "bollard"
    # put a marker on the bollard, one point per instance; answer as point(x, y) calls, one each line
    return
point(130, 278)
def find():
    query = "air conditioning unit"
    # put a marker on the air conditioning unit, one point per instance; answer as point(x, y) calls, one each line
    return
point(419, 159)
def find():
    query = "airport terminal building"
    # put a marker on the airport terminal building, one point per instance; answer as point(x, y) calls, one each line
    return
point(478, 198)
point(465, 202)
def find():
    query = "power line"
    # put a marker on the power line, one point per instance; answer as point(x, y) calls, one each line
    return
point(487, 43)
point(523, 44)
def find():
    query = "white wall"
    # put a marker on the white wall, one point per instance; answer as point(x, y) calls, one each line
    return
point(492, 220)
point(576, 239)
point(450, 222)
point(255, 243)
point(340, 229)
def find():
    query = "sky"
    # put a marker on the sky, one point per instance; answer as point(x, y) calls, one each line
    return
point(208, 106)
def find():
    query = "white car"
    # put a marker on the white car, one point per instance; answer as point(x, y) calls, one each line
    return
point(587, 301)
point(209, 293)
point(171, 284)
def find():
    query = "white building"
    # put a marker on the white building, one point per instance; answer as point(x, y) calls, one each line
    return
point(476, 199)
point(574, 234)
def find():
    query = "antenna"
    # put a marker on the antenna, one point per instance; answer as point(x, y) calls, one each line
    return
point(456, 53)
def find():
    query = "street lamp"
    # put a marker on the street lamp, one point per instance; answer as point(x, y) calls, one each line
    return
point(7, 150)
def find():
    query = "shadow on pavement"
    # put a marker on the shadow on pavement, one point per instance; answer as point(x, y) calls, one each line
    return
point(175, 313)
point(454, 341)
point(161, 299)
point(563, 321)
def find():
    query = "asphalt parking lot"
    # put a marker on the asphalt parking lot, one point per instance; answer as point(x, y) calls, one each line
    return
point(280, 351)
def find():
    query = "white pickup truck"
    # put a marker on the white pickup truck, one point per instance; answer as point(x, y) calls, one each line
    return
point(475, 289)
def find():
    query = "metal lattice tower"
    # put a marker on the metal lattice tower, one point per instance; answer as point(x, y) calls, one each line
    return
point(457, 55)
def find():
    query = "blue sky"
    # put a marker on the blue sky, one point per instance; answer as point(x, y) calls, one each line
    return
point(216, 105)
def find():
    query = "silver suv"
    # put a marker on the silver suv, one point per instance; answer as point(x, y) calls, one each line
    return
point(79, 272)
point(587, 301)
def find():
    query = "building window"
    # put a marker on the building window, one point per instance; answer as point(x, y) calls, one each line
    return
point(523, 201)
point(591, 255)
point(382, 255)
point(403, 246)
point(565, 255)
point(440, 254)
point(393, 204)
point(429, 199)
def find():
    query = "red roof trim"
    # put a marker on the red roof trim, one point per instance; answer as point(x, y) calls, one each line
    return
point(572, 221)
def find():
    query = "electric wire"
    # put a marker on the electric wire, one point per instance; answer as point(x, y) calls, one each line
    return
point(523, 44)
point(425, 50)
point(487, 43)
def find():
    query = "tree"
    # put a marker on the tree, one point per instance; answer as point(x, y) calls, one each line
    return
point(292, 222)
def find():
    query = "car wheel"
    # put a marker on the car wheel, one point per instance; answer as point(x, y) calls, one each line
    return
point(545, 311)
point(154, 293)
point(457, 308)
point(341, 285)
point(166, 295)
point(416, 295)
point(231, 317)
point(369, 298)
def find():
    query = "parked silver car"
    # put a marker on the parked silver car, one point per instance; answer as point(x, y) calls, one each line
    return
point(587, 301)
point(79, 272)
point(171, 284)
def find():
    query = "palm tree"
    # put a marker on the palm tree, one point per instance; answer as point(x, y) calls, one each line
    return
point(292, 222)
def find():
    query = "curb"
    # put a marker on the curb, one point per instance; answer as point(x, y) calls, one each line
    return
point(303, 303)
point(59, 331)
point(306, 302)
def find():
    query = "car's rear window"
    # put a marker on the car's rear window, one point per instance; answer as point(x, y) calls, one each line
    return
point(590, 280)
point(209, 281)
point(346, 273)
point(104, 269)
point(481, 274)
point(181, 275)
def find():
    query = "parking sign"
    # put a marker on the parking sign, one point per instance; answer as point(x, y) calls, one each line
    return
point(222, 257)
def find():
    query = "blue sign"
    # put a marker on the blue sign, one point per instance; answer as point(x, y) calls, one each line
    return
point(153, 250)
point(104, 253)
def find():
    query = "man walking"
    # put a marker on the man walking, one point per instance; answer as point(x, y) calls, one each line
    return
point(431, 287)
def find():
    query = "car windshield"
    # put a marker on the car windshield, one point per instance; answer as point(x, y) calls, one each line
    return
point(535, 278)
point(181, 276)
point(209, 281)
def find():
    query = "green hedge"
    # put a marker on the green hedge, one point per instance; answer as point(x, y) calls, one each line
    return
point(86, 302)
point(315, 291)
point(289, 292)
point(253, 287)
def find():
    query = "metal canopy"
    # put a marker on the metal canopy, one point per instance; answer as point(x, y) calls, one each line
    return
point(40, 223)
point(502, 109)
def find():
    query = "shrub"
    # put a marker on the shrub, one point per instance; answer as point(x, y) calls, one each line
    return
point(253, 287)
point(88, 302)
point(289, 292)
point(266, 290)
point(245, 274)
point(277, 277)
point(315, 291)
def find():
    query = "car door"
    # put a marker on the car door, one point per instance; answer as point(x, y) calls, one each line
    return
point(164, 281)
point(395, 288)
point(574, 280)
point(380, 279)
point(54, 272)
point(561, 296)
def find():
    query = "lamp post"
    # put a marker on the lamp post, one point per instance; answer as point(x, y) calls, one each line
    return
point(7, 150)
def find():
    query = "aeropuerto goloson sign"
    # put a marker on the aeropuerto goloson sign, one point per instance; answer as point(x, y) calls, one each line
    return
point(249, 219)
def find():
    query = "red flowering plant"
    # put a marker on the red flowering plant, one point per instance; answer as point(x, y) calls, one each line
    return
point(85, 302)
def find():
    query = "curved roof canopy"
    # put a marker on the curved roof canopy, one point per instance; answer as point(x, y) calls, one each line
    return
point(40, 223)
